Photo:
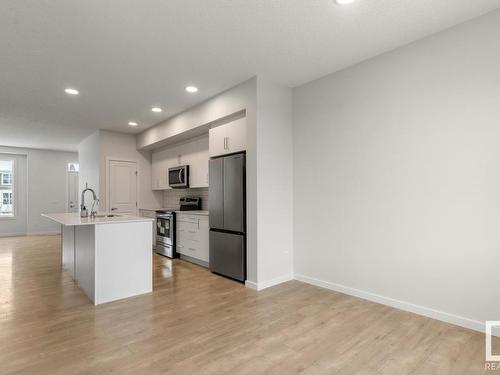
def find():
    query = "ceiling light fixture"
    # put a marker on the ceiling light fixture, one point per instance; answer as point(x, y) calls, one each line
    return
point(71, 91)
point(342, 2)
point(132, 123)
point(157, 109)
point(192, 89)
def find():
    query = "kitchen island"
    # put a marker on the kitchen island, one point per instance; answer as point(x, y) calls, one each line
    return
point(109, 256)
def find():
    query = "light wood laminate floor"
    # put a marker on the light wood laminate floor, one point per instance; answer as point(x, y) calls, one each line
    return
point(199, 323)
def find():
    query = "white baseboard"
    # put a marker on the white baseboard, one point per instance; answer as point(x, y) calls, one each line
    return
point(401, 305)
point(15, 234)
point(269, 283)
point(278, 280)
point(23, 234)
point(251, 285)
point(52, 233)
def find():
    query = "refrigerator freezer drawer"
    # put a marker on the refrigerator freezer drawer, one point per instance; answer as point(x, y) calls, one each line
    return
point(227, 254)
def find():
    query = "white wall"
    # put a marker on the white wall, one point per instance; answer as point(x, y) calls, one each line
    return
point(46, 186)
point(397, 176)
point(94, 153)
point(89, 159)
point(274, 183)
point(123, 146)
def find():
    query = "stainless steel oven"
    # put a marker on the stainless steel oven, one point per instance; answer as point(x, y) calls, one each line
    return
point(178, 177)
point(165, 233)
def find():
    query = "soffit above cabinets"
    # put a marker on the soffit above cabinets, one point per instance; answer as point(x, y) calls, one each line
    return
point(178, 134)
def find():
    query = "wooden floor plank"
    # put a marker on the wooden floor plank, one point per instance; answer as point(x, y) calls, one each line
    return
point(196, 322)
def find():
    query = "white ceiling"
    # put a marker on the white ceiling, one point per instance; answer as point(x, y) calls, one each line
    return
point(125, 56)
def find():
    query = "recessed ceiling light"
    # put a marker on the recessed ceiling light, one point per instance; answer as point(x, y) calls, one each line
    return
point(157, 109)
point(192, 89)
point(132, 123)
point(71, 91)
point(342, 2)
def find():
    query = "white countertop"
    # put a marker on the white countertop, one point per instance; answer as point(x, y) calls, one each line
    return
point(193, 212)
point(70, 219)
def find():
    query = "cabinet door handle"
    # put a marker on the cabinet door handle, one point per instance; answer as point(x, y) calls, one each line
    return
point(192, 231)
point(227, 143)
point(192, 249)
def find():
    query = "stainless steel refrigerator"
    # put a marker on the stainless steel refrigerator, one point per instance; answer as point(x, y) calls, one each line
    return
point(227, 207)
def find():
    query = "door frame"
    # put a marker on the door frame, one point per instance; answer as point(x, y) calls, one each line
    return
point(137, 186)
point(77, 190)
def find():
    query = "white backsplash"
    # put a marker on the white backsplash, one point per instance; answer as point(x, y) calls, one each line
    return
point(171, 197)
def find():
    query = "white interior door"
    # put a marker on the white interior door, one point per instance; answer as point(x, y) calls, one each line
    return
point(123, 187)
point(72, 192)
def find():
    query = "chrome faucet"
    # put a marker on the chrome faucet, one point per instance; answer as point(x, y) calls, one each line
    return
point(83, 209)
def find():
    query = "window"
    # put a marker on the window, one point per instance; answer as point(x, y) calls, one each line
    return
point(73, 167)
point(6, 188)
point(7, 198)
point(6, 178)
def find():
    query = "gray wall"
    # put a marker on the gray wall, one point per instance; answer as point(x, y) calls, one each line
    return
point(397, 176)
point(46, 187)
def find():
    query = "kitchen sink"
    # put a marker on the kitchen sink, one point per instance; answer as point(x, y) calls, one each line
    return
point(109, 215)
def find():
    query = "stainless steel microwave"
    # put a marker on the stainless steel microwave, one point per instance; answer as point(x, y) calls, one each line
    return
point(178, 177)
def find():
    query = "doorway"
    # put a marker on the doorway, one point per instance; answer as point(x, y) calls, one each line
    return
point(72, 183)
point(122, 186)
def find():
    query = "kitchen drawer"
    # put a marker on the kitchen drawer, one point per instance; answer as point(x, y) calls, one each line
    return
point(189, 231)
point(185, 226)
point(188, 218)
point(189, 236)
point(188, 247)
point(183, 245)
point(192, 236)
point(193, 249)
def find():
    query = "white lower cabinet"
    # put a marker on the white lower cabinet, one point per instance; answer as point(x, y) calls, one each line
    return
point(192, 237)
point(151, 214)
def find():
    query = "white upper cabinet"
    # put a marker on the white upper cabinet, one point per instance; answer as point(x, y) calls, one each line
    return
point(160, 163)
point(217, 140)
point(193, 153)
point(228, 138)
point(196, 156)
